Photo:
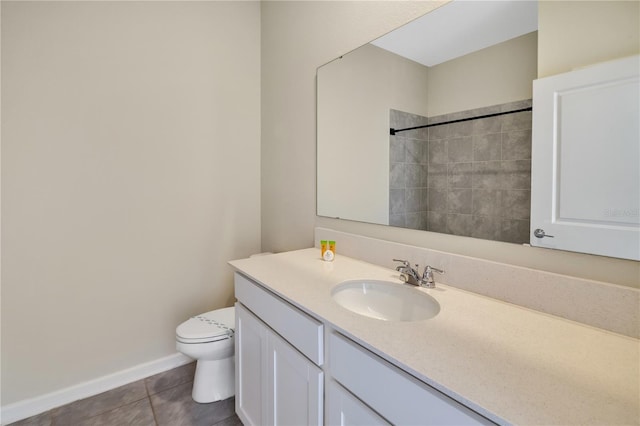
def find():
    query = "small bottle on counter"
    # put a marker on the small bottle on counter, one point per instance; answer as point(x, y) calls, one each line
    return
point(330, 253)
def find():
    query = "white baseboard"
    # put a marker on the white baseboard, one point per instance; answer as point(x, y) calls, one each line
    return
point(32, 406)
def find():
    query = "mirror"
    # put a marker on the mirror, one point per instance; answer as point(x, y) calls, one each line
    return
point(463, 175)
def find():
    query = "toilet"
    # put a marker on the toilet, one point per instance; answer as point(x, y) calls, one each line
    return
point(208, 338)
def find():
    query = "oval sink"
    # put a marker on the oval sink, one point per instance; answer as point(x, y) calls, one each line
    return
point(385, 300)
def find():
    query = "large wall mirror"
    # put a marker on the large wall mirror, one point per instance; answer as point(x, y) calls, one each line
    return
point(430, 126)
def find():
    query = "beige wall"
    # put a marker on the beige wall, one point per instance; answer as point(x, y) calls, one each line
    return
point(292, 49)
point(355, 94)
point(495, 75)
point(574, 34)
point(130, 176)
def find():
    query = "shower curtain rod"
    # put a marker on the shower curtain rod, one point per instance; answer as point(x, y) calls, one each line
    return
point(393, 131)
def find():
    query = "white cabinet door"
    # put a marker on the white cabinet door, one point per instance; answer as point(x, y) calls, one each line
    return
point(275, 384)
point(295, 395)
point(585, 176)
point(344, 409)
point(251, 367)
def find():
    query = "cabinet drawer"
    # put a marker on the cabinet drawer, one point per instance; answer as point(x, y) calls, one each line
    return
point(344, 409)
point(302, 331)
point(399, 397)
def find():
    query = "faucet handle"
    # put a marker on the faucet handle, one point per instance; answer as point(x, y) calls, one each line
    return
point(404, 262)
point(427, 276)
point(429, 268)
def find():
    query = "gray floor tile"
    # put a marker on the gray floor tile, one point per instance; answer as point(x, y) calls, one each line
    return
point(43, 419)
point(171, 378)
point(174, 407)
point(231, 421)
point(70, 414)
point(134, 414)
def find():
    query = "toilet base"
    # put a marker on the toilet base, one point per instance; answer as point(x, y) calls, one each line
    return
point(214, 380)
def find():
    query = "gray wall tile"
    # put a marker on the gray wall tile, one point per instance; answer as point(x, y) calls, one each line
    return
point(415, 200)
point(397, 176)
point(487, 227)
point(482, 111)
point(516, 204)
point(460, 150)
point(396, 149)
point(487, 175)
point(437, 200)
point(516, 145)
point(460, 175)
point(478, 173)
point(460, 224)
point(415, 151)
point(516, 121)
point(396, 201)
point(398, 220)
point(414, 177)
point(437, 222)
point(461, 129)
point(424, 175)
point(487, 202)
point(417, 220)
point(437, 176)
point(459, 201)
point(515, 231)
point(487, 125)
point(487, 147)
point(439, 132)
point(517, 174)
point(438, 152)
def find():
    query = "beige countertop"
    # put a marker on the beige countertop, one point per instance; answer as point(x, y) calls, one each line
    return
point(511, 364)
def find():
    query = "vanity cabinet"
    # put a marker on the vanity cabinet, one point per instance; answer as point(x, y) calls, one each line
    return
point(276, 383)
point(280, 373)
point(397, 396)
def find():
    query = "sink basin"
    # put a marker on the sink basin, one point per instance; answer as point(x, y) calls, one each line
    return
point(385, 300)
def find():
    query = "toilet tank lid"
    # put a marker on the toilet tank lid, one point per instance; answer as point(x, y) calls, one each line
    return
point(208, 325)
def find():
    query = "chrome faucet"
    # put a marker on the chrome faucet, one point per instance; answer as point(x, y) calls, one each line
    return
point(411, 276)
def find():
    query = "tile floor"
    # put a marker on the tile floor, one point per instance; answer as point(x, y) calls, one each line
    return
point(160, 400)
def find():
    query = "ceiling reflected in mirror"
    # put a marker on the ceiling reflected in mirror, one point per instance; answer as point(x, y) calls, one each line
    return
point(460, 28)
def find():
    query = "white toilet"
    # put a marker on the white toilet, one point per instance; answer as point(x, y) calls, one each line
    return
point(208, 338)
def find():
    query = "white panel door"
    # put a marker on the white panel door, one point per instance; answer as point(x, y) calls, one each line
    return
point(295, 394)
point(251, 367)
point(585, 174)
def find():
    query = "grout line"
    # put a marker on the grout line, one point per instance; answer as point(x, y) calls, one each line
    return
point(153, 411)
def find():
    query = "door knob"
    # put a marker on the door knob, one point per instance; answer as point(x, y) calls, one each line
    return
point(539, 233)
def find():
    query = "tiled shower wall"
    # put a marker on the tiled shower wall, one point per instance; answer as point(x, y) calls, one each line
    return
point(471, 178)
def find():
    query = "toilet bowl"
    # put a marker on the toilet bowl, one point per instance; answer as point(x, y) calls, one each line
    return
point(208, 338)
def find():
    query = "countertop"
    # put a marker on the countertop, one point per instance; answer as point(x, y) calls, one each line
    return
point(510, 364)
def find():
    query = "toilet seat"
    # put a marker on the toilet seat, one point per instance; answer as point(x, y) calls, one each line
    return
point(209, 327)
